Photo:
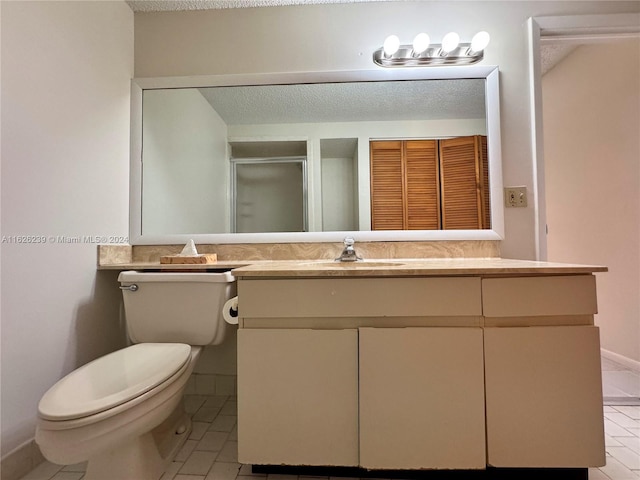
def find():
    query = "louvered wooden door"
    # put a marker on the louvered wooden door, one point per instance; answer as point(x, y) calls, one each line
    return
point(387, 185)
point(460, 183)
point(422, 186)
point(484, 185)
point(404, 185)
point(430, 184)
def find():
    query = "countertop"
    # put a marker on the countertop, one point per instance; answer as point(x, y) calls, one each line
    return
point(220, 265)
point(410, 267)
point(394, 267)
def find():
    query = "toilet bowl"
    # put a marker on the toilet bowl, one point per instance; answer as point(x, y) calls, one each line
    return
point(123, 413)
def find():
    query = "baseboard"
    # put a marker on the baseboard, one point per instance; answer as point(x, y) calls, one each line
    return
point(490, 473)
point(630, 363)
point(20, 461)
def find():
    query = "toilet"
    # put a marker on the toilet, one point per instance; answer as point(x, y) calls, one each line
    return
point(124, 413)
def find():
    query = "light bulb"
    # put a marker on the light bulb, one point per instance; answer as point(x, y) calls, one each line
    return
point(391, 45)
point(450, 42)
point(420, 43)
point(480, 41)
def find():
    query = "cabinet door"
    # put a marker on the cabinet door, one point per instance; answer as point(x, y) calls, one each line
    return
point(421, 398)
point(298, 397)
point(544, 397)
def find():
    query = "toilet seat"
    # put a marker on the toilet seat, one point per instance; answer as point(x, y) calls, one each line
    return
point(113, 380)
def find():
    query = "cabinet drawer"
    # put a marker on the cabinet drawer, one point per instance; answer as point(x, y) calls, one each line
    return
point(539, 296)
point(364, 297)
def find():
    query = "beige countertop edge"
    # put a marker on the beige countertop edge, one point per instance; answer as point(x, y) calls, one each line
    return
point(416, 268)
point(386, 267)
point(173, 266)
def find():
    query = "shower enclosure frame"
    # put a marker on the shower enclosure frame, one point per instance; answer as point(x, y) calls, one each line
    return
point(301, 159)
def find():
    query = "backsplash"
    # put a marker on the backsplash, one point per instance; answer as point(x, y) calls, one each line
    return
point(142, 254)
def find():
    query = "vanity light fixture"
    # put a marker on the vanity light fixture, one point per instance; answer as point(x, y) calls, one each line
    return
point(420, 44)
point(449, 43)
point(391, 45)
point(479, 42)
point(422, 53)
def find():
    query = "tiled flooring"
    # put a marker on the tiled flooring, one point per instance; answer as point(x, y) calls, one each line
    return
point(211, 451)
point(619, 385)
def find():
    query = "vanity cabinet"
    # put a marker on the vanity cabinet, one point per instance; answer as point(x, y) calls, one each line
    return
point(336, 371)
point(542, 372)
point(419, 372)
point(345, 397)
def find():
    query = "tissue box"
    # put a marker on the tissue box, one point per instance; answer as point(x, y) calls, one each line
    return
point(201, 259)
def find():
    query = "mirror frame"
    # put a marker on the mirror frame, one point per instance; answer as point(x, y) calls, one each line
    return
point(492, 104)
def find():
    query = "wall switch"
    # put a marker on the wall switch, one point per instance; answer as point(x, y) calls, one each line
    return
point(515, 197)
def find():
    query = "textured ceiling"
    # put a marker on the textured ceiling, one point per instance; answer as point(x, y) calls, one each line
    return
point(179, 5)
point(551, 55)
point(348, 102)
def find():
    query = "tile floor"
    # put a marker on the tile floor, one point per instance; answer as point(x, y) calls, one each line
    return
point(211, 451)
point(619, 384)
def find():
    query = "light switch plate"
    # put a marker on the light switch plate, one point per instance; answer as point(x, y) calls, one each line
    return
point(515, 197)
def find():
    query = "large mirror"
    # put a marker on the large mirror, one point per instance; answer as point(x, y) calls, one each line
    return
point(290, 158)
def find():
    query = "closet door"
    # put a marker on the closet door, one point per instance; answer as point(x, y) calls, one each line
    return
point(404, 185)
point(387, 185)
point(422, 185)
point(460, 183)
point(484, 182)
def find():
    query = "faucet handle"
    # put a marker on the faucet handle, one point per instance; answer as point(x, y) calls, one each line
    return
point(349, 241)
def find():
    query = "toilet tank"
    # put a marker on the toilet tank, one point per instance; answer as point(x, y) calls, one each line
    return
point(172, 307)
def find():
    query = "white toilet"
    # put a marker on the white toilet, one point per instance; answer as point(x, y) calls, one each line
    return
point(124, 412)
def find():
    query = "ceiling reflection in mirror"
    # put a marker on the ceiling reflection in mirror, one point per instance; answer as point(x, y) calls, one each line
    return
point(193, 139)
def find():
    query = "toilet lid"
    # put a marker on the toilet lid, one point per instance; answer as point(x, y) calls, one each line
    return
point(112, 380)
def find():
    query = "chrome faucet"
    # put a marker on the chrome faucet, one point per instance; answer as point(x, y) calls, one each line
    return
point(349, 252)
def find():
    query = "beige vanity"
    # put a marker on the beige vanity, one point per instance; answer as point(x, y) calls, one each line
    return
point(419, 364)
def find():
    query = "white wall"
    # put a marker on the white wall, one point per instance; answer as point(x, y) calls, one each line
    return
point(592, 169)
point(338, 195)
point(66, 70)
point(343, 36)
point(185, 164)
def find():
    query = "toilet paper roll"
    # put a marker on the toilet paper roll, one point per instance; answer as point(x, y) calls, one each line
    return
point(230, 311)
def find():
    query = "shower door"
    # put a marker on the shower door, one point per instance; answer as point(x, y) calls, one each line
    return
point(269, 195)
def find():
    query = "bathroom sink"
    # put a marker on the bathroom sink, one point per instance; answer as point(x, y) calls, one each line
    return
point(360, 264)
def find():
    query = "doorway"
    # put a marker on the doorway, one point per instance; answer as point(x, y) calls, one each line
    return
point(588, 171)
